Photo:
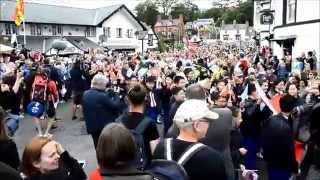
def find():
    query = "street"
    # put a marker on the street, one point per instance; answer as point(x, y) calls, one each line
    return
point(71, 134)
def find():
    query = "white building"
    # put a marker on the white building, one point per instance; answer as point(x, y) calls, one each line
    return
point(295, 28)
point(151, 40)
point(261, 9)
point(113, 27)
point(235, 32)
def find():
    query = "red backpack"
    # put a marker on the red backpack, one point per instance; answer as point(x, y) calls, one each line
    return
point(39, 89)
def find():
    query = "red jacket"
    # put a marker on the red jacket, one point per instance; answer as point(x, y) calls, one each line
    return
point(95, 175)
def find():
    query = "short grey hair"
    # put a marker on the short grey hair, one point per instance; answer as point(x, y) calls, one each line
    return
point(184, 125)
point(99, 81)
point(196, 91)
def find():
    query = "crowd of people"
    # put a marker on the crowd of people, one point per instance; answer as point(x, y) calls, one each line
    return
point(222, 110)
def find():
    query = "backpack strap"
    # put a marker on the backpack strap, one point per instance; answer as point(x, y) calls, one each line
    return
point(191, 150)
point(143, 124)
point(168, 149)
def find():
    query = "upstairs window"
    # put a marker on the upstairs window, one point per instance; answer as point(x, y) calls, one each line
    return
point(291, 16)
point(8, 29)
point(119, 33)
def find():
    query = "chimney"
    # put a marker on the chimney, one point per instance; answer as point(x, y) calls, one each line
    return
point(222, 23)
point(158, 18)
point(170, 18)
point(234, 22)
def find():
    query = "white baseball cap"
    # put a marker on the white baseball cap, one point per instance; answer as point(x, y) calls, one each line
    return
point(194, 110)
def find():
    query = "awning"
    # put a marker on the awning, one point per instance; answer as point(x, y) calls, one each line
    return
point(43, 43)
point(69, 50)
point(283, 38)
point(82, 43)
point(122, 47)
point(5, 49)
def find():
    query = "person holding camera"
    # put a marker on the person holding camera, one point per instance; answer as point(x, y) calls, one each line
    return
point(100, 109)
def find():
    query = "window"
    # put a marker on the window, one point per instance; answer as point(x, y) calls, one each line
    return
point(21, 29)
point(225, 37)
point(119, 33)
point(238, 36)
point(14, 29)
point(32, 29)
point(54, 30)
point(106, 32)
point(87, 31)
point(8, 29)
point(92, 31)
point(39, 30)
point(150, 39)
point(130, 33)
point(291, 10)
point(60, 30)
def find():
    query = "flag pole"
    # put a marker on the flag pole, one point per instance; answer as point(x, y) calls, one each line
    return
point(24, 34)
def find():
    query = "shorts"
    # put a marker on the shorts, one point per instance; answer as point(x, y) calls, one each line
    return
point(77, 98)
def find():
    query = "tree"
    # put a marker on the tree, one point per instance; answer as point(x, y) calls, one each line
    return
point(190, 12)
point(246, 12)
point(147, 12)
point(213, 13)
point(165, 5)
point(241, 14)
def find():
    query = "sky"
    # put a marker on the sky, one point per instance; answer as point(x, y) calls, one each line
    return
point(131, 4)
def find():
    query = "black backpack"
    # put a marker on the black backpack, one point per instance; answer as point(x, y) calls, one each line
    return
point(170, 169)
point(167, 170)
point(141, 159)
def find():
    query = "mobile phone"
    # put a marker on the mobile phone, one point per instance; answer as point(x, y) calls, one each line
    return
point(82, 163)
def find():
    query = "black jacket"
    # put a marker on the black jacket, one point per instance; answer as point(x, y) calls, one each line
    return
point(9, 154)
point(8, 173)
point(69, 170)
point(99, 109)
point(77, 80)
point(277, 143)
point(125, 173)
point(252, 119)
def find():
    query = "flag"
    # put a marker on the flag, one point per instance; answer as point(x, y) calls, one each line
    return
point(264, 98)
point(19, 12)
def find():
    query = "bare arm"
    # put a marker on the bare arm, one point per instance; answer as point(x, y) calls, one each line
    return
point(153, 145)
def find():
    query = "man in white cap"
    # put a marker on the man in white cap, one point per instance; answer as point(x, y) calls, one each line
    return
point(200, 161)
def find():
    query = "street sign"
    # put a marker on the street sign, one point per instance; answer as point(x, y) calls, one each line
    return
point(266, 18)
point(142, 34)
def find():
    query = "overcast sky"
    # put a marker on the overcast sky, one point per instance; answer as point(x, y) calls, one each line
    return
point(131, 4)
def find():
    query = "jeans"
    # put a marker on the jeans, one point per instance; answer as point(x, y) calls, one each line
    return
point(12, 123)
point(252, 145)
point(278, 174)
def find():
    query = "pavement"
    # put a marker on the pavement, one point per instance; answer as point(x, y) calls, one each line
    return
point(70, 133)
